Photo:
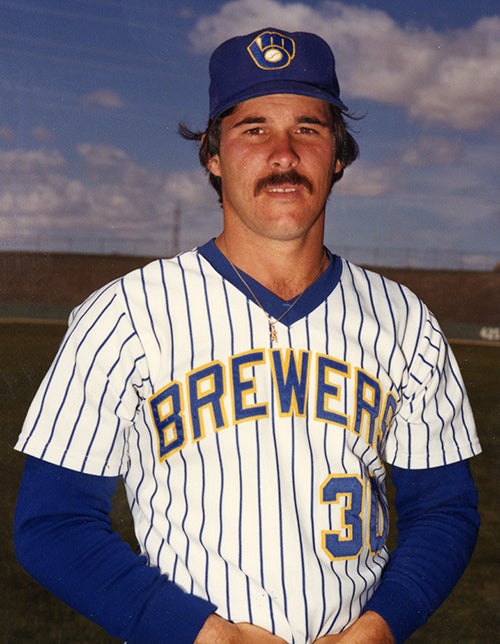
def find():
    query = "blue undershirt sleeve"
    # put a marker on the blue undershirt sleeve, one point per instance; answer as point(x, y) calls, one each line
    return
point(64, 539)
point(437, 526)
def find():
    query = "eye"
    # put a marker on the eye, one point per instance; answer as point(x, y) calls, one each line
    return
point(305, 129)
point(254, 131)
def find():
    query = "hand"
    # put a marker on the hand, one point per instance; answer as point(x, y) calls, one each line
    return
point(249, 633)
point(219, 631)
point(370, 628)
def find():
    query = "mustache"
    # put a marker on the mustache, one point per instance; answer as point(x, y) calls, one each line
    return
point(291, 177)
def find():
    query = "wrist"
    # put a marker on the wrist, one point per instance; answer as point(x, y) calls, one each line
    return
point(374, 623)
point(216, 629)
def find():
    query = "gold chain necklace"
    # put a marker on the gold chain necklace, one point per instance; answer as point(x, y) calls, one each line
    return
point(270, 319)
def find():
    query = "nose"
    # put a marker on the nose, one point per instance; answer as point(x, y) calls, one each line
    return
point(283, 153)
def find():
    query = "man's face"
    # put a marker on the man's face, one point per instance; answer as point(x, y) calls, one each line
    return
point(276, 161)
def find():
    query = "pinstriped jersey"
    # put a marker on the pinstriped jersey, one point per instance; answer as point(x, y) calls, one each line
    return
point(255, 469)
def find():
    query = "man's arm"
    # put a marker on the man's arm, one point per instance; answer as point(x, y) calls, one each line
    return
point(370, 628)
point(64, 539)
point(220, 631)
point(438, 523)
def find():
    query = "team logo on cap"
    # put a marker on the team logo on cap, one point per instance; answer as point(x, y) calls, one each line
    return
point(272, 50)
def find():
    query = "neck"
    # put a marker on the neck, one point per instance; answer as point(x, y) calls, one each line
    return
point(283, 270)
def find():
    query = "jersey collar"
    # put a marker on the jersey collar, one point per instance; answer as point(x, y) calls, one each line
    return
point(312, 297)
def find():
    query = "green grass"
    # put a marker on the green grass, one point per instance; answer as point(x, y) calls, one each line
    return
point(28, 613)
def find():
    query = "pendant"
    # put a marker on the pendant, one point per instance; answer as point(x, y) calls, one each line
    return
point(272, 331)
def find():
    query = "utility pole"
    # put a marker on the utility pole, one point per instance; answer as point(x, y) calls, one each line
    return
point(176, 229)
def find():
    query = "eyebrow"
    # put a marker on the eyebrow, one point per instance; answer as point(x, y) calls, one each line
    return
point(310, 120)
point(249, 120)
point(313, 120)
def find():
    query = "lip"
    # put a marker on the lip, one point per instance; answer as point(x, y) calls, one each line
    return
point(287, 184)
point(283, 189)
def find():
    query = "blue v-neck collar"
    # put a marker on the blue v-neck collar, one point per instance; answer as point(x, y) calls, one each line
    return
point(312, 297)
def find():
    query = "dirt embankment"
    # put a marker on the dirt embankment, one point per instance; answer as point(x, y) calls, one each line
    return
point(66, 279)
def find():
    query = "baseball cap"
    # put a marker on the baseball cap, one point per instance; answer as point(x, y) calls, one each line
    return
point(272, 61)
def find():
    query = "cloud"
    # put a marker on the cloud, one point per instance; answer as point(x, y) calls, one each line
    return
point(240, 16)
point(43, 134)
point(117, 203)
point(190, 188)
point(105, 98)
point(103, 156)
point(365, 179)
point(433, 150)
point(451, 77)
point(7, 134)
point(22, 165)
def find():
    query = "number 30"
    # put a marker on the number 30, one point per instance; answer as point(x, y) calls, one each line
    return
point(350, 493)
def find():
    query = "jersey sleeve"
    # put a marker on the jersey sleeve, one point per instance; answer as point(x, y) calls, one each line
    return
point(433, 424)
point(84, 408)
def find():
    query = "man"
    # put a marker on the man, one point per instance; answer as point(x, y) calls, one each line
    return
point(248, 393)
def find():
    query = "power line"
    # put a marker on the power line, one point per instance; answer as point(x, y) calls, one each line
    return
point(80, 62)
point(95, 51)
point(63, 13)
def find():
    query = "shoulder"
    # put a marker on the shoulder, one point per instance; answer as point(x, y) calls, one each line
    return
point(376, 286)
point(163, 273)
point(387, 307)
point(143, 282)
point(158, 270)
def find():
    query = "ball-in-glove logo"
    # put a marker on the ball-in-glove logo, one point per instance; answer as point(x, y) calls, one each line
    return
point(272, 50)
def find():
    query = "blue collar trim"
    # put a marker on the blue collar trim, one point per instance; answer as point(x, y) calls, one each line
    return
point(312, 297)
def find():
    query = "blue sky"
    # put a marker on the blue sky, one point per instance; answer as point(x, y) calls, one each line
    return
point(92, 92)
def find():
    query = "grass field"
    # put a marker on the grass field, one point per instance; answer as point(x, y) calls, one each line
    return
point(30, 614)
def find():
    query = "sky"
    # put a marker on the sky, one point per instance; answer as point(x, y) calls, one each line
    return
point(92, 91)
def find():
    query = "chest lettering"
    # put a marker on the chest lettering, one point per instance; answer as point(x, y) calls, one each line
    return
point(254, 384)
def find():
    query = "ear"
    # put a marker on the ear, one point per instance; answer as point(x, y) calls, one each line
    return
point(339, 166)
point(213, 162)
point(213, 165)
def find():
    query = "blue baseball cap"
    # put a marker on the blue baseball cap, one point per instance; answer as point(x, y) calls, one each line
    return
point(272, 61)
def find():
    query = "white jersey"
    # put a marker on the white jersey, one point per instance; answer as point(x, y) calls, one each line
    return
point(254, 470)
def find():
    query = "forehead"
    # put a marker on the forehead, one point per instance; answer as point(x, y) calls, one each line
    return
point(281, 106)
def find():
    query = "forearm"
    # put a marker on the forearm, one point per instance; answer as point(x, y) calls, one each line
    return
point(438, 524)
point(437, 530)
point(369, 628)
point(220, 631)
point(64, 539)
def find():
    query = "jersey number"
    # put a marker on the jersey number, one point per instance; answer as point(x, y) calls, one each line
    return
point(349, 493)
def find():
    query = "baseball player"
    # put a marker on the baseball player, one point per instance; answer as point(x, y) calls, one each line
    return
point(250, 393)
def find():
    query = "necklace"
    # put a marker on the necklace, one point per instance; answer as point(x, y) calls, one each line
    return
point(272, 321)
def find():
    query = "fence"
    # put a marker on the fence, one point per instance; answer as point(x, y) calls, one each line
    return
point(404, 257)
